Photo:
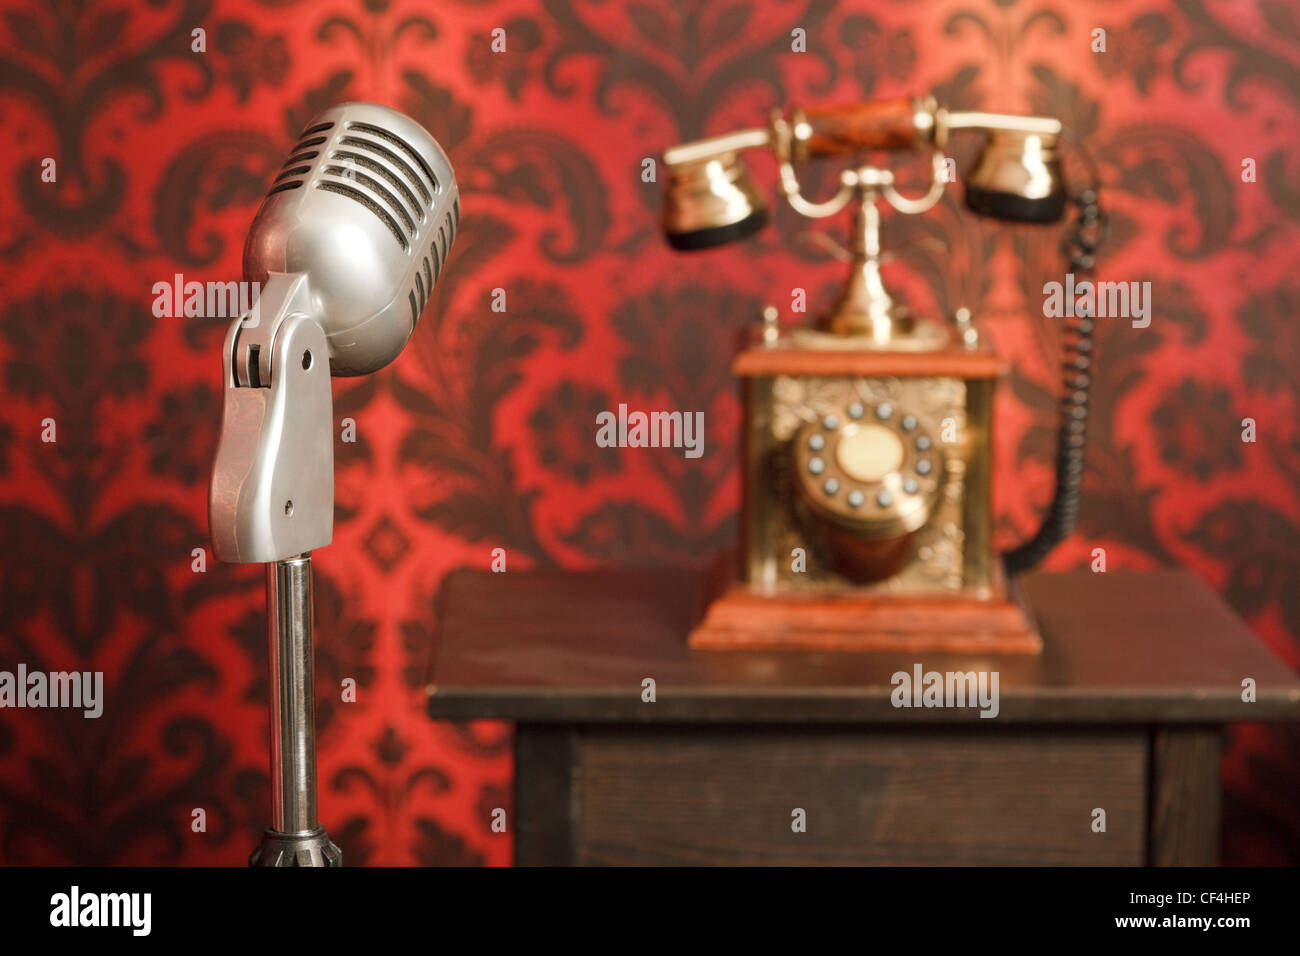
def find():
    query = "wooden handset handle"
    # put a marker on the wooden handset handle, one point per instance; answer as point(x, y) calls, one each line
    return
point(854, 127)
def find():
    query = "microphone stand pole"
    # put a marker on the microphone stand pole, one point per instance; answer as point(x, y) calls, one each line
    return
point(295, 837)
point(272, 503)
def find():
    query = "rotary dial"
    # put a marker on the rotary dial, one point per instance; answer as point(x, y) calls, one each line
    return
point(875, 470)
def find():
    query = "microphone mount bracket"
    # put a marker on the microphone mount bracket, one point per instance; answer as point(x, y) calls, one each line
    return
point(272, 492)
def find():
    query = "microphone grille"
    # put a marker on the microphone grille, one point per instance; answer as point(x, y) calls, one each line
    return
point(301, 158)
point(381, 171)
point(373, 167)
point(439, 248)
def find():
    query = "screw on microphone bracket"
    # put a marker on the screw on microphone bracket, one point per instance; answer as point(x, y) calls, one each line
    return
point(272, 493)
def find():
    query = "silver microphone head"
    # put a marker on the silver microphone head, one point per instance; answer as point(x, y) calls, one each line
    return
point(366, 207)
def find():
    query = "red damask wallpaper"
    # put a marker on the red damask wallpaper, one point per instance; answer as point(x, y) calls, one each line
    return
point(480, 435)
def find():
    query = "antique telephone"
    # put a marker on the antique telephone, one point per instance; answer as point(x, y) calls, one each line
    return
point(868, 448)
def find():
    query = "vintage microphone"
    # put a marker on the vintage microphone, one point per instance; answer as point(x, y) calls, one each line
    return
point(347, 246)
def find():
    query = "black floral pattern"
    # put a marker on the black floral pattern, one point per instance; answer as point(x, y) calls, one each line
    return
point(1198, 429)
point(184, 435)
point(564, 429)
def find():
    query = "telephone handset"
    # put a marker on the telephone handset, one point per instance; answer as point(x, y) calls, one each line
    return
point(868, 441)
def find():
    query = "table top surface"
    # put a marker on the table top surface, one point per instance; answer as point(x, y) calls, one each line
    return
point(576, 646)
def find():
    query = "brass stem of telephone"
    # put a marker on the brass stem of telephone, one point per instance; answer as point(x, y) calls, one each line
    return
point(847, 447)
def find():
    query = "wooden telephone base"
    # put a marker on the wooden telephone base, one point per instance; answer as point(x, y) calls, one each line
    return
point(741, 618)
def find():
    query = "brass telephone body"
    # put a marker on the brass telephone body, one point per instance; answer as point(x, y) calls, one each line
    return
point(880, 472)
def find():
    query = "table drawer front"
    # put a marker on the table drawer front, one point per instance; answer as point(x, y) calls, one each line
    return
point(727, 796)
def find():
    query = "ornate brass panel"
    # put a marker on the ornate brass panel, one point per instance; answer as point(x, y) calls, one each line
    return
point(883, 482)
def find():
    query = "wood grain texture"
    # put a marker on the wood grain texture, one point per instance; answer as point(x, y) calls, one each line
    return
point(546, 808)
point(865, 622)
point(712, 796)
point(1118, 648)
point(1185, 796)
point(949, 363)
point(853, 127)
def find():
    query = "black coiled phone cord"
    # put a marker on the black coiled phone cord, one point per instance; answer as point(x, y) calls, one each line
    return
point(1080, 247)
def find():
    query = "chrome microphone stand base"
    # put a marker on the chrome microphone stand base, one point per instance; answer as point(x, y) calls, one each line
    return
point(296, 849)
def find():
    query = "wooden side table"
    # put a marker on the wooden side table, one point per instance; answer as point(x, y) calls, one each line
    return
point(1123, 711)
